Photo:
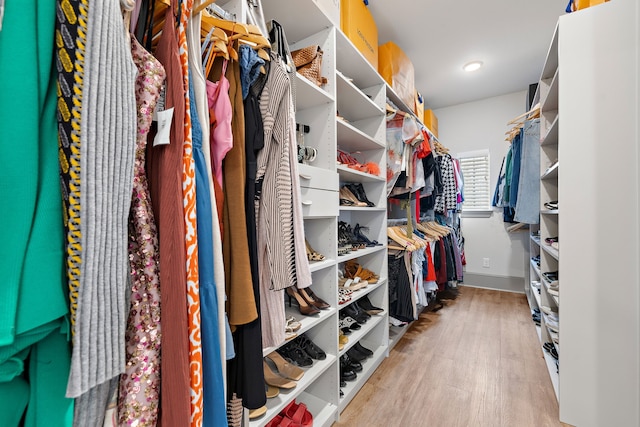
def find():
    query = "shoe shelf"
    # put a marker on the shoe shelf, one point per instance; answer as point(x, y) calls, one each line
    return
point(362, 209)
point(324, 414)
point(352, 175)
point(535, 239)
point(353, 104)
point(320, 265)
point(275, 405)
point(551, 172)
point(551, 137)
point(536, 295)
point(360, 253)
point(551, 251)
point(368, 367)
point(536, 268)
point(549, 212)
point(363, 292)
point(550, 102)
point(356, 336)
point(309, 94)
point(307, 322)
point(353, 64)
point(351, 139)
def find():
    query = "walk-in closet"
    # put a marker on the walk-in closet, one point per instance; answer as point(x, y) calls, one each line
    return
point(277, 213)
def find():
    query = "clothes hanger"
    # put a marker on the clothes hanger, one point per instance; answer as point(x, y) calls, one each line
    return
point(202, 6)
point(392, 233)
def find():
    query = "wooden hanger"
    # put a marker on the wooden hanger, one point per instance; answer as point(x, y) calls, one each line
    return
point(534, 110)
point(393, 234)
point(202, 6)
point(440, 149)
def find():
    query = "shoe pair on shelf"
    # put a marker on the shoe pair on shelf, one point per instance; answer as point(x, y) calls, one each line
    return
point(348, 324)
point(279, 372)
point(308, 302)
point(535, 316)
point(536, 259)
point(359, 353)
point(397, 322)
point(551, 349)
point(347, 241)
point(291, 327)
point(553, 242)
point(551, 276)
point(301, 351)
point(353, 270)
point(293, 415)
point(354, 195)
point(348, 160)
point(342, 339)
point(356, 312)
point(349, 368)
point(552, 205)
point(312, 255)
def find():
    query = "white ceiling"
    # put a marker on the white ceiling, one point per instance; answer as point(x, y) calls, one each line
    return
point(511, 37)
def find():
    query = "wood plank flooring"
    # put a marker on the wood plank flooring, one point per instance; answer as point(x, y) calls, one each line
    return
point(477, 362)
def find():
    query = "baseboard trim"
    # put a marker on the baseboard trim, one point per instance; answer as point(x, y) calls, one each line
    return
point(498, 283)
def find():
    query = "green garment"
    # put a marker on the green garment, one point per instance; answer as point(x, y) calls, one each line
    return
point(33, 295)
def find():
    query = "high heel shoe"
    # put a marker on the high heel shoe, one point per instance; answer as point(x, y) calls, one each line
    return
point(275, 380)
point(312, 255)
point(313, 299)
point(362, 237)
point(358, 191)
point(347, 198)
point(304, 307)
point(283, 367)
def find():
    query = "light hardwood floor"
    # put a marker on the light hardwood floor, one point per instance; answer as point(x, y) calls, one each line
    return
point(476, 362)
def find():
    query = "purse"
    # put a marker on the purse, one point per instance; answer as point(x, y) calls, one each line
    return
point(308, 62)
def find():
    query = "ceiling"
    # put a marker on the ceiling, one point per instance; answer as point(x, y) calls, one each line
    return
point(511, 37)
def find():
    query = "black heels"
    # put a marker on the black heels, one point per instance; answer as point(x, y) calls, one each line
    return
point(358, 190)
point(363, 238)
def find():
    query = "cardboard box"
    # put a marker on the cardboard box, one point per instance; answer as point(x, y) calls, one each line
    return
point(331, 8)
point(397, 69)
point(431, 121)
point(357, 23)
point(583, 4)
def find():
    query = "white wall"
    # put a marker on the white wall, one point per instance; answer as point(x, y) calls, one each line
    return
point(481, 125)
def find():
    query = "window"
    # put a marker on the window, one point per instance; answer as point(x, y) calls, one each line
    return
point(475, 173)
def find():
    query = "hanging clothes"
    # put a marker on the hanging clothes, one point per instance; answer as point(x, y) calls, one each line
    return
point(106, 176)
point(245, 372)
point(33, 304)
point(191, 228)
point(528, 206)
point(448, 199)
point(140, 384)
point(164, 169)
point(224, 341)
point(276, 186)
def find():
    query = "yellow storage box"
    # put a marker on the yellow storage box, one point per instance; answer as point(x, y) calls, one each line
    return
point(431, 121)
point(397, 69)
point(583, 4)
point(357, 23)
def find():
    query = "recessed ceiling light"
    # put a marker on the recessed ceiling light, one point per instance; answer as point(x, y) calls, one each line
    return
point(472, 66)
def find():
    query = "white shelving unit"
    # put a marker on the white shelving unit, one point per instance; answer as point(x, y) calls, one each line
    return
point(356, 92)
point(549, 171)
point(589, 124)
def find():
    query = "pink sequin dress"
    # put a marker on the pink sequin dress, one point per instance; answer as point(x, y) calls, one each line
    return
point(138, 400)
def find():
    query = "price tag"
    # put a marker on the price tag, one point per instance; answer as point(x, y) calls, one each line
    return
point(164, 126)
